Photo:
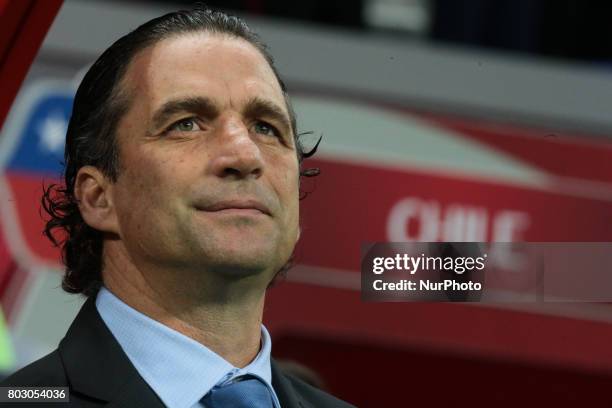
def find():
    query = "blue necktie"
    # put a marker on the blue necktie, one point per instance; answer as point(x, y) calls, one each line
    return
point(246, 392)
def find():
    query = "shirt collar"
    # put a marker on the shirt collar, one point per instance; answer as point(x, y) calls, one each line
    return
point(179, 369)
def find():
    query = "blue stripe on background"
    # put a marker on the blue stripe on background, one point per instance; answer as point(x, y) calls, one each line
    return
point(49, 115)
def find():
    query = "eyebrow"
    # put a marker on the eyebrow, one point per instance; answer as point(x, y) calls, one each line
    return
point(258, 107)
point(201, 105)
point(254, 108)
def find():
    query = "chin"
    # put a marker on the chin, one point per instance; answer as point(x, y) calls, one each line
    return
point(246, 260)
point(252, 252)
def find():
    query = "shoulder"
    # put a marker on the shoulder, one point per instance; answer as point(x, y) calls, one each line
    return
point(315, 396)
point(47, 371)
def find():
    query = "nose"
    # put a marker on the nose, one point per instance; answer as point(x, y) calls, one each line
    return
point(237, 154)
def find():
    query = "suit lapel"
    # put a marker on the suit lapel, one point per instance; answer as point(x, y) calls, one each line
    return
point(97, 366)
point(136, 394)
point(285, 392)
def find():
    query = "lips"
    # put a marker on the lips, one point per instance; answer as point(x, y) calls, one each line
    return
point(236, 205)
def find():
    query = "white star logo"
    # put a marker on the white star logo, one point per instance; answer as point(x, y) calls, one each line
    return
point(52, 133)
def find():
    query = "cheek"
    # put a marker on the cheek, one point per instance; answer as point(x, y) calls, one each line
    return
point(290, 192)
point(287, 181)
point(155, 171)
point(134, 199)
point(143, 186)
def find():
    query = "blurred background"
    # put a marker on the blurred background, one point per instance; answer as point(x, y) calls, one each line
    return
point(442, 120)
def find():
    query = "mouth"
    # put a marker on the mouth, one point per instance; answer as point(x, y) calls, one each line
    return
point(237, 207)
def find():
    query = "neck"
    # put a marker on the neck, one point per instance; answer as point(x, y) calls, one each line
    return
point(223, 316)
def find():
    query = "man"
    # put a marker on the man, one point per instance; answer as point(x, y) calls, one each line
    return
point(179, 208)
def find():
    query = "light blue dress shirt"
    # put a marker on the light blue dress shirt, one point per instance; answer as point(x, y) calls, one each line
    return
point(179, 369)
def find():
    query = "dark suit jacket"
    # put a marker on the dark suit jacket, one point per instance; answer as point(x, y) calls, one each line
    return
point(90, 361)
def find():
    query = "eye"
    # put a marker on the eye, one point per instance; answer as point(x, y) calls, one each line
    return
point(265, 128)
point(185, 125)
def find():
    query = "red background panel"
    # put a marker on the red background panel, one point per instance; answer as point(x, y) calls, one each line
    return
point(23, 26)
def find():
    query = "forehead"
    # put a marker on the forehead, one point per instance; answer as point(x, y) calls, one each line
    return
point(221, 67)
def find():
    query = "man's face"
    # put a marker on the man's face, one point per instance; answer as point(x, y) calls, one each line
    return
point(208, 173)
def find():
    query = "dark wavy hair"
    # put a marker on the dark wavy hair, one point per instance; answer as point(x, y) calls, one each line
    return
point(98, 106)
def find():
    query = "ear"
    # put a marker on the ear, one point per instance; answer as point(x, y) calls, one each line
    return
point(93, 191)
